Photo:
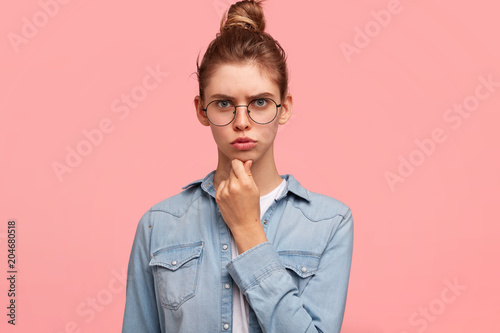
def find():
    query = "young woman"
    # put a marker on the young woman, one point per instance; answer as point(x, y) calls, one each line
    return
point(244, 249)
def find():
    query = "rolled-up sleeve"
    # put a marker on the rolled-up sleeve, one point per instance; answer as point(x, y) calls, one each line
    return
point(274, 297)
point(141, 313)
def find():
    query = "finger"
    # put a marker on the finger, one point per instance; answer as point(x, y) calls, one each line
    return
point(239, 169)
point(232, 179)
point(248, 166)
point(220, 188)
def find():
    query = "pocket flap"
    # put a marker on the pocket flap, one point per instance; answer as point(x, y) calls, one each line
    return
point(174, 257)
point(304, 264)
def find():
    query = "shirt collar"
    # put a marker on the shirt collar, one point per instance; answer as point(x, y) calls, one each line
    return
point(207, 184)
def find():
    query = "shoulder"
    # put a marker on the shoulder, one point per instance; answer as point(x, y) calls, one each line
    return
point(321, 207)
point(316, 206)
point(178, 204)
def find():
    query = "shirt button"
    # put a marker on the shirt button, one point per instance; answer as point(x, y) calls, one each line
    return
point(174, 262)
point(226, 326)
point(224, 247)
point(303, 269)
point(227, 286)
point(265, 221)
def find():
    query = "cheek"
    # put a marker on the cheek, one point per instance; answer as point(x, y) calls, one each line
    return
point(270, 131)
point(218, 133)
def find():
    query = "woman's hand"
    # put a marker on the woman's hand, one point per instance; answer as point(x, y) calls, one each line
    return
point(238, 198)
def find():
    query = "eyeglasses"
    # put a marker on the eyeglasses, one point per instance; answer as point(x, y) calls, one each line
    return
point(260, 110)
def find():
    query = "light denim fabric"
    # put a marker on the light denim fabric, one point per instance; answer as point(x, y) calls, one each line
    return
point(180, 274)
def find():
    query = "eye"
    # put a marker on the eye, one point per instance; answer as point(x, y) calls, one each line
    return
point(261, 102)
point(223, 104)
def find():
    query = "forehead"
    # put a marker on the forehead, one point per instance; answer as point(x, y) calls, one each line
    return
point(240, 80)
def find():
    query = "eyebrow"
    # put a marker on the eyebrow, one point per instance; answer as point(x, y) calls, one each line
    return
point(260, 95)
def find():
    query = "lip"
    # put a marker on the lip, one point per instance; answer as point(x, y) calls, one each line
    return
point(243, 139)
point(243, 143)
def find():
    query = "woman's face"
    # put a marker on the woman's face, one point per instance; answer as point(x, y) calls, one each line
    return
point(240, 84)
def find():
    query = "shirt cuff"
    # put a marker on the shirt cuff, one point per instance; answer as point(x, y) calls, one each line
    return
point(254, 265)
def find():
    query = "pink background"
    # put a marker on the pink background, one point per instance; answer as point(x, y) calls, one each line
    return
point(356, 117)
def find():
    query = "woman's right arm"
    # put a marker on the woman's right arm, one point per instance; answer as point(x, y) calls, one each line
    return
point(141, 313)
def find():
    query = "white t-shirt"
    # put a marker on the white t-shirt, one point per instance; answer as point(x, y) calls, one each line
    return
point(240, 304)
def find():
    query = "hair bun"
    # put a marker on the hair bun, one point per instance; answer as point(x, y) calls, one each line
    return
point(247, 14)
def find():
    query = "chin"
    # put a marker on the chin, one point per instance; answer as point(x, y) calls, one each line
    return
point(243, 155)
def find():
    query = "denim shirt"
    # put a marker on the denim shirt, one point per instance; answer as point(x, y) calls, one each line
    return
point(181, 276)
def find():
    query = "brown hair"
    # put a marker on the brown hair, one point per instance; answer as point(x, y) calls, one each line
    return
point(242, 39)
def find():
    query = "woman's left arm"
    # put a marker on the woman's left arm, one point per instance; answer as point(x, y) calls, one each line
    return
point(262, 278)
point(273, 296)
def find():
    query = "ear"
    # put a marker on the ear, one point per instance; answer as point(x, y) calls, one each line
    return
point(202, 116)
point(285, 109)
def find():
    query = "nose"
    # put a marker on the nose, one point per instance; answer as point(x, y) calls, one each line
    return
point(241, 120)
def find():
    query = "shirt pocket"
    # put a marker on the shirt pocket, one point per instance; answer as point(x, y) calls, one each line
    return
point(301, 266)
point(176, 270)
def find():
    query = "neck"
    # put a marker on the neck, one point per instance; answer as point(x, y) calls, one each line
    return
point(264, 173)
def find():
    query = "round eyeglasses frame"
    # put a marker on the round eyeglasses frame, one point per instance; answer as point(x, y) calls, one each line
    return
point(248, 111)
